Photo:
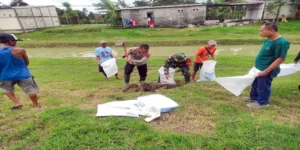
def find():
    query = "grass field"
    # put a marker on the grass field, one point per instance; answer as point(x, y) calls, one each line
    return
point(89, 35)
point(209, 117)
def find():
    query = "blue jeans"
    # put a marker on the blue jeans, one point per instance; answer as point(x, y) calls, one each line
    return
point(261, 88)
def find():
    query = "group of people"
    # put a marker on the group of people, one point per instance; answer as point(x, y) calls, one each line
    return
point(138, 57)
point(14, 62)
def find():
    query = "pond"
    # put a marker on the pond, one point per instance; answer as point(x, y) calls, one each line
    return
point(222, 50)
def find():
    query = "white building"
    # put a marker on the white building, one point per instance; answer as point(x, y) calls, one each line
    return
point(28, 18)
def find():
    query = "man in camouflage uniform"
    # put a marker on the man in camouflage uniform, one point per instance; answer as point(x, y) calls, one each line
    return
point(181, 61)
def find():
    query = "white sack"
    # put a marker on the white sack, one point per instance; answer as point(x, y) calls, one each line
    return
point(287, 69)
point(162, 76)
point(207, 72)
point(110, 67)
point(164, 103)
point(236, 85)
point(106, 110)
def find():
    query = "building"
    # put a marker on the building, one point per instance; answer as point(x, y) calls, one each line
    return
point(183, 15)
point(166, 15)
point(28, 18)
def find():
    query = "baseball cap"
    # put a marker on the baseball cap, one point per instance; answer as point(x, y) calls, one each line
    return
point(212, 42)
point(5, 37)
point(102, 42)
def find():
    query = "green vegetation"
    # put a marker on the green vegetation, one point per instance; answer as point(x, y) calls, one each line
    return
point(89, 35)
point(209, 117)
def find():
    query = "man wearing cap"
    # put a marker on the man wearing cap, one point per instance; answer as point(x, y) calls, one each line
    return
point(181, 61)
point(103, 53)
point(13, 70)
point(138, 57)
point(203, 54)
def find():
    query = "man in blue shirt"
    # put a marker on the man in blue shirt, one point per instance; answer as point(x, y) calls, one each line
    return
point(104, 53)
point(13, 70)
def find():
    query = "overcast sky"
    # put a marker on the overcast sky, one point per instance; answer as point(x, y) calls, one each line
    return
point(76, 4)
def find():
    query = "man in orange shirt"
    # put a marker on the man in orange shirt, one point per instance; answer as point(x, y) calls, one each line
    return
point(203, 54)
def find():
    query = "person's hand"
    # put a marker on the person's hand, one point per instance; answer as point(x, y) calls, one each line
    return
point(124, 44)
point(167, 76)
point(263, 74)
point(176, 71)
point(295, 62)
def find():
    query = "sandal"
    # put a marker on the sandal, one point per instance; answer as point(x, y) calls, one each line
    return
point(16, 107)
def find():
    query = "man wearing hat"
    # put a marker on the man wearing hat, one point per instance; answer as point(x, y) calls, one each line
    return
point(13, 70)
point(181, 61)
point(203, 54)
point(103, 53)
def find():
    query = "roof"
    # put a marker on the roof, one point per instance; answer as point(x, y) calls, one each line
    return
point(34, 6)
point(191, 5)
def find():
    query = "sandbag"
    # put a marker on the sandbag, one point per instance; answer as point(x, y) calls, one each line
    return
point(237, 84)
point(164, 103)
point(163, 79)
point(287, 69)
point(207, 72)
point(106, 110)
point(110, 67)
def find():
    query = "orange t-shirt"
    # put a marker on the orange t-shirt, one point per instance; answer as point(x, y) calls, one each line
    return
point(203, 54)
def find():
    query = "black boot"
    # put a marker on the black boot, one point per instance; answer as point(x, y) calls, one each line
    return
point(126, 78)
point(142, 79)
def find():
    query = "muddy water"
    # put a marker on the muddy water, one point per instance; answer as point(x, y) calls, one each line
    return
point(226, 50)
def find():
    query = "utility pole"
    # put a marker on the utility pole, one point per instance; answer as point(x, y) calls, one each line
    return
point(66, 17)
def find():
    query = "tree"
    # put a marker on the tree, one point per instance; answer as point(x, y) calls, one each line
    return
point(294, 6)
point(141, 3)
point(112, 16)
point(122, 3)
point(15, 3)
point(91, 16)
point(85, 11)
point(59, 11)
point(209, 2)
point(274, 8)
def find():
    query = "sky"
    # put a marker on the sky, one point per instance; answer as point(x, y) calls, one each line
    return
point(76, 4)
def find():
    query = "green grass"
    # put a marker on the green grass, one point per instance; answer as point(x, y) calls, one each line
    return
point(209, 117)
point(89, 35)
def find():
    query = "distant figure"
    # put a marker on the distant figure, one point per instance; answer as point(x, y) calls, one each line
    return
point(104, 53)
point(133, 22)
point(202, 55)
point(270, 56)
point(13, 70)
point(296, 61)
point(283, 19)
point(181, 61)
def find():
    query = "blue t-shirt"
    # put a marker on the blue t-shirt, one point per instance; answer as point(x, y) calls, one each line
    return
point(11, 67)
point(104, 53)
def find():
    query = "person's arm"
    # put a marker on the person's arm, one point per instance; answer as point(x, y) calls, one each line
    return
point(167, 66)
point(143, 60)
point(21, 54)
point(280, 54)
point(213, 56)
point(297, 58)
point(25, 57)
point(98, 59)
point(97, 56)
point(273, 66)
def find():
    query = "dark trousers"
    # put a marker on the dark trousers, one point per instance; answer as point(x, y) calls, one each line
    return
point(261, 88)
point(129, 68)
